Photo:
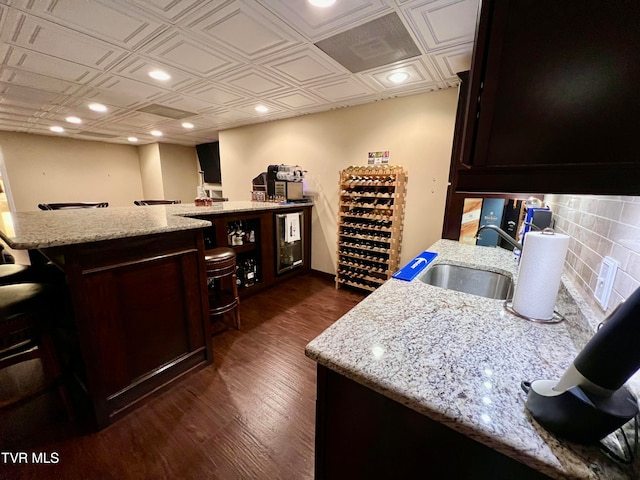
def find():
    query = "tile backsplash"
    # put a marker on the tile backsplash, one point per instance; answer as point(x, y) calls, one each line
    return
point(600, 226)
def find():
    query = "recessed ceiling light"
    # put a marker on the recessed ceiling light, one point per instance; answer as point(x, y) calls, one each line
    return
point(187, 125)
point(398, 77)
point(73, 120)
point(262, 109)
point(159, 75)
point(133, 139)
point(56, 129)
point(97, 107)
point(322, 3)
point(156, 133)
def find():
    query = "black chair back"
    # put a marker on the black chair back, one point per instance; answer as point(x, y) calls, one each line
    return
point(64, 206)
point(141, 203)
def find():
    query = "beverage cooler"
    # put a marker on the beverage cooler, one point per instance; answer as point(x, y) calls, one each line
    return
point(289, 241)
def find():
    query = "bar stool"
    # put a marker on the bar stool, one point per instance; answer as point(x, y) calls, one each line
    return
point(66, 206)
point(221, 280)
point(11, 273)
point(15, 273)
point(141, 203)
point(26, 327)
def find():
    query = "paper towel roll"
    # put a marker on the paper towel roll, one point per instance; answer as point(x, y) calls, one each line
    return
point(539, 274)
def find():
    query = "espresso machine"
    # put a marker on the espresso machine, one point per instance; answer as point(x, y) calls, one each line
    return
point(285, 181)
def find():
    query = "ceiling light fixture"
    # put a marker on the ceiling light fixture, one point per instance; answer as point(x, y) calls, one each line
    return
point(133, 139)
point(56, 129)
point(156, 133)
point(159, 75)
point(398, 77)
point(73, 120)
point(261, 109)
point(187, 125)
point(97, 107)
point(322, 3)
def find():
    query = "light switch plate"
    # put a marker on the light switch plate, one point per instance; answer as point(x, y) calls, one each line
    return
point(604, 284)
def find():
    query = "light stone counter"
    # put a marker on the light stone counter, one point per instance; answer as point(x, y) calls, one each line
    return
point(43, 229)
point(459, 359)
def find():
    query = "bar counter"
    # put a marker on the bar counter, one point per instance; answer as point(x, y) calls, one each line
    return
point(29, 230)
point(137, 292)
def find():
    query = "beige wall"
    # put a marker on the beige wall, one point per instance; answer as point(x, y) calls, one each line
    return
point(179, 172)
point(417, 130)
point(151, 172)
point(48, 169)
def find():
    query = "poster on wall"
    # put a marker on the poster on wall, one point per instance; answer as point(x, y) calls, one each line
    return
point(378, 158)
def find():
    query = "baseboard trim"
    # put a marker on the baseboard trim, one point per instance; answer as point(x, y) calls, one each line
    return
point(324, 275)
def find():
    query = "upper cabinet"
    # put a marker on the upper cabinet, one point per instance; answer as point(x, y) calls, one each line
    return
point(553, 102)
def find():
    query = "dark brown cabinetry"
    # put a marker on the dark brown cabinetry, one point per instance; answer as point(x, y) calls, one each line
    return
point(140, 314)
point(553, 104)
point(256, 253)
point(363, 434)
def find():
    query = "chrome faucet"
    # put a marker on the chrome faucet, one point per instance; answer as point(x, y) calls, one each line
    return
point(502, 233)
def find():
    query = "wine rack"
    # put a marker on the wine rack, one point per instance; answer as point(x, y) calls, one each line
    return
point(370, 219)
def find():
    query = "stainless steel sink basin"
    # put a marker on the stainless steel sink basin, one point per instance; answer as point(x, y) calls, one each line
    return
point(469, 280)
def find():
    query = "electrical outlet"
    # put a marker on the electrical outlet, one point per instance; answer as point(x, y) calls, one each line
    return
point(604, 284)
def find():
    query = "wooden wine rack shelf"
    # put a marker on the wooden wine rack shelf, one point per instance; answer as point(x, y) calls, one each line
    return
point(370, 221)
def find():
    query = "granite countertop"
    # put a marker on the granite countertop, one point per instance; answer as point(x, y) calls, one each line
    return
point(459, 359)
point(44, 229)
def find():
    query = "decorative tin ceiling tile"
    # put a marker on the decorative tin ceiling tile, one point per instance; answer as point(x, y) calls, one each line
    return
point(223, 57)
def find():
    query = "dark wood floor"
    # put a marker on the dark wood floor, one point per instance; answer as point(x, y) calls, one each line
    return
point(250, 415)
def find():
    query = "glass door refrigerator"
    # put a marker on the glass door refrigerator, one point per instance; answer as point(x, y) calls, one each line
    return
point(289, 241)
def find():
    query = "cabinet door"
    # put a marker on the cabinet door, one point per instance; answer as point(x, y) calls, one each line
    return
point(140, 311)
point(554, 104)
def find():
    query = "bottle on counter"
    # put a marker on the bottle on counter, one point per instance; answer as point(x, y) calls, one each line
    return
point(202, 199)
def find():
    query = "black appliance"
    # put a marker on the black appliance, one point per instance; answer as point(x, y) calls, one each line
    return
point(285, 181)
point(209, 158)
point(590, 401)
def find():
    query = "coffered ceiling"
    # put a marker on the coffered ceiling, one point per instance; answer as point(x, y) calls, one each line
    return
point(224, 58)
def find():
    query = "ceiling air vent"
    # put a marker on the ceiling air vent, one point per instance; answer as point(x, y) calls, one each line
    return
point(96, 135)
point(379, 42)
point(168, 112)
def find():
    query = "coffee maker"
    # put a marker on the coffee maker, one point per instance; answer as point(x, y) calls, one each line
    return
point(285, 181)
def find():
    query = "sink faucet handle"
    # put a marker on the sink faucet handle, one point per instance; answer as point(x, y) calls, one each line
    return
point(501, 233)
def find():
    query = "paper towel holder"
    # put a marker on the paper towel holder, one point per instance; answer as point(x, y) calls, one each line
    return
point(557, 317)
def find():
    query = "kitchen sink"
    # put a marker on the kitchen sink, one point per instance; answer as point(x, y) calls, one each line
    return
point(475, 281)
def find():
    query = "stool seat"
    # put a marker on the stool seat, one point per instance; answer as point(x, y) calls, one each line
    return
point(21, 298)
point(143, 203)
point(15, 273)
point(220, 254)
point(27, 312)
point(221, 278)
point(65, 206)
